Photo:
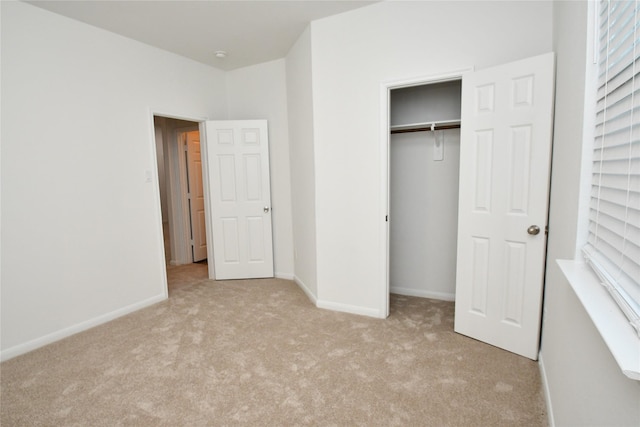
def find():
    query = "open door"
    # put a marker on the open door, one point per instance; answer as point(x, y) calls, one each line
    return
point(507, 114)
point(238, 163)
point(195, 196)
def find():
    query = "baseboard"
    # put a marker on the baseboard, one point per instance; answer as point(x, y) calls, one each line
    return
point(422, 294)
point(83, 326)
point(545, 388)
point(346, 308)
point(306, 290)
point(285, 276)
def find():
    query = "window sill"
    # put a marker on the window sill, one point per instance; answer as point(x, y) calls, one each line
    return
point(612, 324)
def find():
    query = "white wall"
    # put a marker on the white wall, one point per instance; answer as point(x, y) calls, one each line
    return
point(81, 227)
point(585, 384)
point(303, 193)
point(424, 215)
point(260, 92)
point(352, 54)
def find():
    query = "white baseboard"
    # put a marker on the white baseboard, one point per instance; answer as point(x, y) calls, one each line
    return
point(422, 294)
point(306, 290)
point(285, 276)
point(545, 389)
point(83, 326)
point(346, 308)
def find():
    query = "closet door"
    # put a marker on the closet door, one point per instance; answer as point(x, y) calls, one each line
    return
point(503, 202)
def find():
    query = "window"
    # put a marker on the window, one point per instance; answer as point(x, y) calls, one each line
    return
point(613, 245)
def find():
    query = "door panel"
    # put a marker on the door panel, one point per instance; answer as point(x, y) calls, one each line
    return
point(238, 155)
point(196, 196)
point(504, 186)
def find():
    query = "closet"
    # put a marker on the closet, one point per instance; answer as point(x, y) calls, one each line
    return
point(423, 182)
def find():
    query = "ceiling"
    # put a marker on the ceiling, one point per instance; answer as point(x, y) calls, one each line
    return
point(250, 32)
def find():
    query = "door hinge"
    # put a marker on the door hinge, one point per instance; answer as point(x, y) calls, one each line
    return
point(386, 218)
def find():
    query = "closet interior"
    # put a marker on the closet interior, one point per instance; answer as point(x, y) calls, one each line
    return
point(423, 189)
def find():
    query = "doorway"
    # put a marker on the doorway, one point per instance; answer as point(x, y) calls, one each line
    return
point(424, 115)
point(424, 153)
point(222, 184)
point(181, 196)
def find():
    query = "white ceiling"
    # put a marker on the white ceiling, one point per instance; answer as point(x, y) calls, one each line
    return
point(250, 31)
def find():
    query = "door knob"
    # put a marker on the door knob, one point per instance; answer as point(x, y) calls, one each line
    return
point(266, 209)
point(533, 230)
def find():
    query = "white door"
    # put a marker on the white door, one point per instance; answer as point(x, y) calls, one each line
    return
point(238, 165)
point(195, 196)
point(503, 201)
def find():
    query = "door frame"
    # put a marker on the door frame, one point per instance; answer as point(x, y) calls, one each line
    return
point(385, 113)
point(176, 210)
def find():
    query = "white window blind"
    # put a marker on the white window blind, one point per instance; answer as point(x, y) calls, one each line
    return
point(613, 245)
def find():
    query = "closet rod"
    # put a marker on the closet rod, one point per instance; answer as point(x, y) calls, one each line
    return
point(427, 128)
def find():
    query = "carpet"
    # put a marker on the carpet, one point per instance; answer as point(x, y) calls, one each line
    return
point(258, 353)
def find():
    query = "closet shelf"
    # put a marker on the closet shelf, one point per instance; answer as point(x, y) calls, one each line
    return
point(426, 126)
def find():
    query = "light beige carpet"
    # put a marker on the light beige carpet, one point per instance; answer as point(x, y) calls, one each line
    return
point(258, 353)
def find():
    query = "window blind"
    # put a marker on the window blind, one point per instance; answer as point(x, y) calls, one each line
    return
point(613, 244)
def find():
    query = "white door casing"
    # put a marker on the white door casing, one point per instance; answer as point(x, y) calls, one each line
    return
point(238, 163)
point(195, 196)
point(385, 167)
point(507, 117)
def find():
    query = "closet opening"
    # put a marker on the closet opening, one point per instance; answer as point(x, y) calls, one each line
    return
point(423, 181)
point(489, 255)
